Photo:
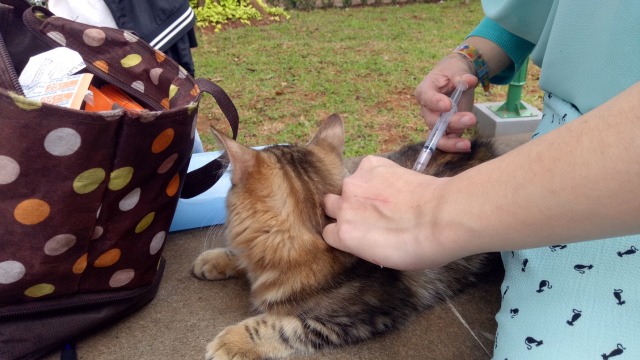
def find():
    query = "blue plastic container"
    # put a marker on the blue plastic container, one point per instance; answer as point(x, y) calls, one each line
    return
point(208, 208)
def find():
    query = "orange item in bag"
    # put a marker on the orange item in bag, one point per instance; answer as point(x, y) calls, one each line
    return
point(108, 98)
point(120, 97)
point(97, 102)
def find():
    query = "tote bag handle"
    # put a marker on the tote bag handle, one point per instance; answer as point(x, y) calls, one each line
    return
point(202, 179)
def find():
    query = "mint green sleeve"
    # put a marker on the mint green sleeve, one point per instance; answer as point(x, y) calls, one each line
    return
point(516, 47)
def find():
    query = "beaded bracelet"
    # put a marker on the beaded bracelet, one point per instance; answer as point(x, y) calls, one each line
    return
point(473, 55)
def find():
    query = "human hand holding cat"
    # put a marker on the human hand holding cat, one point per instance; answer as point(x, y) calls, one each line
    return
point(385, 216)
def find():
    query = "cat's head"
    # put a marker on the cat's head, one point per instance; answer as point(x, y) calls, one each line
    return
point(274, 207)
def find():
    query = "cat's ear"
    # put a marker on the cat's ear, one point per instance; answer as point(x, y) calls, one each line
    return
point(330, 133)
point(242, 158)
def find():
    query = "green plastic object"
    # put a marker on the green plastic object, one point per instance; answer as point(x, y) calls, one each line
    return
point(514, 107)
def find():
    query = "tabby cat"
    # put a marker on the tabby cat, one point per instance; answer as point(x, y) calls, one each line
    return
point(312, 296)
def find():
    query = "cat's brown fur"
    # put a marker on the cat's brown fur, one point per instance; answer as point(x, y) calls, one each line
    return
point(310, 295)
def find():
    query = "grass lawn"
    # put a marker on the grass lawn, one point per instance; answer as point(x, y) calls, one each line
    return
point(363, 63)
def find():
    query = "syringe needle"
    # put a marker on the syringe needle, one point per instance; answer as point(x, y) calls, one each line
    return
point(438, 129)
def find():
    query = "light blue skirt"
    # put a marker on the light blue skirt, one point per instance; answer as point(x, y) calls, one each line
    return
point(570, 301)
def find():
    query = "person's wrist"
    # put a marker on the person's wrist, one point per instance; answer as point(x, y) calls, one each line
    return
point(463, 63)
point(436, 230)
point(473, 56)
point(450, 233)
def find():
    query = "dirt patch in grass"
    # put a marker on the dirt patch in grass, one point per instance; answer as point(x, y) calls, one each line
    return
point(392, 135)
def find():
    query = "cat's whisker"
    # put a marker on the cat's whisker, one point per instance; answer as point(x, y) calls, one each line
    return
point(214, 232)
point(210, 234)
point(455, 311)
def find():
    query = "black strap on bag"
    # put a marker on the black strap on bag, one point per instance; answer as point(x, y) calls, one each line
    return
point(7, 72)
point(9, 9)
point(20, 5)
point(202, 179)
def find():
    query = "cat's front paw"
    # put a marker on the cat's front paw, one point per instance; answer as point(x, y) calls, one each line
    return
point(216, 264)
point(232, 343)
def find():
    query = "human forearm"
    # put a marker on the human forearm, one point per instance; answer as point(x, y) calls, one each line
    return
point(580, 182)
point(503, 43)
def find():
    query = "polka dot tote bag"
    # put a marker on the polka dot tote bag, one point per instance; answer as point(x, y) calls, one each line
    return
point(86, 198)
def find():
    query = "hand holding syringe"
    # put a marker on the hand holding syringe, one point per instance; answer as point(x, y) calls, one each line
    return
point(439, 128)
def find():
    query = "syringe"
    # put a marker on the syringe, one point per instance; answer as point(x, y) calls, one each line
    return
point(439, 128)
